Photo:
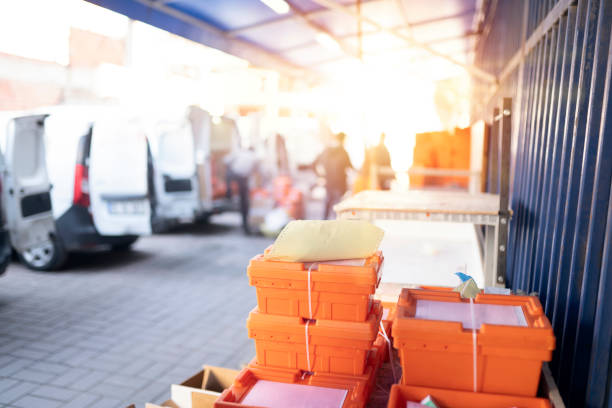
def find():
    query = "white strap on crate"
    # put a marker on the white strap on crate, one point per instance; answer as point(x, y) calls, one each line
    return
point(306, 335)
point(474, 346)
point(310, 291)
point(384, 334)
point(307, 345)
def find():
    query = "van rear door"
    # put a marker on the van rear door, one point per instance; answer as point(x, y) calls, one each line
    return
point(118, 177)
point(175, 156)
point(26, 190)
point(175, 170)
point(214, 138)
point(200, 125)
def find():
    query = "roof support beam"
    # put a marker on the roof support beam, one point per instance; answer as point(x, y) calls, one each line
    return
point(465, 35)
point(471, 69)
point(368, 54)
point(169, 19)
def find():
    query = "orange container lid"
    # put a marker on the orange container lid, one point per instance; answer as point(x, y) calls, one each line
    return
point(291, 325)
point(401, 394)
point(367, 274)
point(358, 387)
point(538, 333)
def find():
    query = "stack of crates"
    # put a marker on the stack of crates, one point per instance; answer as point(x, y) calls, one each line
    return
point(315, 324)
point(439, 356)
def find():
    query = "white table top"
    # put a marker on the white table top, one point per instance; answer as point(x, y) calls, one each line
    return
point(435, 202)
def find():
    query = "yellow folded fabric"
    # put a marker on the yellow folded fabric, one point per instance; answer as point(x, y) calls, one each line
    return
point(311, 241)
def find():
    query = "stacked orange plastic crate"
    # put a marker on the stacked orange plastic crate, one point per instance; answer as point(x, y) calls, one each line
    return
point(493, 365)
point(315, 324)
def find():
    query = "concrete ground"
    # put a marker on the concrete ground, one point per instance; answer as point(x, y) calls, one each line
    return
point(119, 328)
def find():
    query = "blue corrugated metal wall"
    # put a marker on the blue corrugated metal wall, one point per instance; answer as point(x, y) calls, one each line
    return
point(560, 242)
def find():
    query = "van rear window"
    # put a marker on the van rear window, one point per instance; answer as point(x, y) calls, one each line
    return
point(176, 185)
point(84, 148)
point(35, 204)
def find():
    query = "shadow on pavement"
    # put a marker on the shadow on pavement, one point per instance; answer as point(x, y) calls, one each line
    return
point(95, 261)
point(201, 229)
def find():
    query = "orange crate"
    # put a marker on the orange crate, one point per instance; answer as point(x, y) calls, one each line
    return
point(401, 394)
point(440, 291)
point(389, 311)
point(358, 387)
point(380, 351)
point(335, 347)
point(439, 353)
point(338, 292)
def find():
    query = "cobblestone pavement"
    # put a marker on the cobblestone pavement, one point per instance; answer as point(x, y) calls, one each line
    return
point(119, 328)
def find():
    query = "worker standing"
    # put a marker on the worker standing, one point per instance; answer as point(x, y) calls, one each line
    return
point(381, 158)
point(335, 162)
point(240, 165)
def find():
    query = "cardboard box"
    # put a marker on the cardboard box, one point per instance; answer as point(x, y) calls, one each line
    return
point(201, 390)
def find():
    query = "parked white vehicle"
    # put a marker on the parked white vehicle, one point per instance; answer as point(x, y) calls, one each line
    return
point(26, 202)
point(174, 181)
point(97, 163)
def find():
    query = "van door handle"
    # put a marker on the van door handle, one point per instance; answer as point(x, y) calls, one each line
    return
point(11, 191)
point(21, 190)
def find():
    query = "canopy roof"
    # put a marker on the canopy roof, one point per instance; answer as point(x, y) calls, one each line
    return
point(318, 36)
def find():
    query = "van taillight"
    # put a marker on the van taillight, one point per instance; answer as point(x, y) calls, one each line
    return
point(81, 186)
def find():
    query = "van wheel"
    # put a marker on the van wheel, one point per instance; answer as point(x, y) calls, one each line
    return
point(46, 257)
point(124, 246)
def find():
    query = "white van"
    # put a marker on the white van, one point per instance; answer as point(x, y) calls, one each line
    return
point(97, 163)
point(174, 181)
point(26, 202)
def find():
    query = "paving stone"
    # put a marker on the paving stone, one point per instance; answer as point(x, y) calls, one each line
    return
point(112, 390)
point(83, 400)
point(30, 353)
point(28, 374)
point(156, 370)
point(153, 392)
point(46, 346)
point(134, 383)
point(52, 368)
point(6, 383)
point(70, 377)
point(13, 345)
point(81, 357)
point(85, 383)
point(13, 393)
point(137, 367)
point(61, 356)
point(6, 359)
point(30, 401)
point(102, 365)
point(14, 366)
point(106, 403)
point(56, 393)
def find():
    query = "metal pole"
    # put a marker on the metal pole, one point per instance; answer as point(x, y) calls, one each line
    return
point(504, 190)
